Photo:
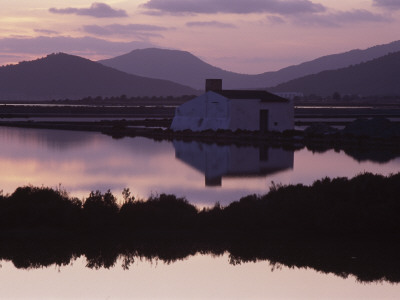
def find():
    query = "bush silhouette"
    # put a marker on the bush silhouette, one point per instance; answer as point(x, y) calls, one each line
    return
point(37, 207)
point(163, 211)
point(100, 210)
point(366, 204)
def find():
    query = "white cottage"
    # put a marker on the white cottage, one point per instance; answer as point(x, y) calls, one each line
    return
point(234, 109)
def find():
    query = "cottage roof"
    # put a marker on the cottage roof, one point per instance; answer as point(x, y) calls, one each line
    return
point(264, 96)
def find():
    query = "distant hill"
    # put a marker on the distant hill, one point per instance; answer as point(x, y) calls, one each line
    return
point(380, 76)
point(178, 66)
point(331, 62)
point(185, 68)
point(59, 76)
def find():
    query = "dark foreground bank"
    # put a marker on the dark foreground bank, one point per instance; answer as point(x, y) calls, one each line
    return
point(340, 226)
point(364, 205)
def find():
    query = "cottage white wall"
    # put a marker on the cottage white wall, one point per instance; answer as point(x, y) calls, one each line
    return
point(213, 111)
point(208, 111)
point(280, 116)
point(244, 114)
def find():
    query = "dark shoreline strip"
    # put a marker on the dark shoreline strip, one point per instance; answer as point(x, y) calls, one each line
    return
point(340, 226)
point(366, 205)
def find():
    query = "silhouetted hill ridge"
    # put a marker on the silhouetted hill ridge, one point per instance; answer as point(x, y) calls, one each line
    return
point(379, 76)
point(66, 76)
point(185, 68)
point(175, 65)
point(332, 62)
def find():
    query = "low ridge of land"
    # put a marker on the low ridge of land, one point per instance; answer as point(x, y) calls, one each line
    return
point(380, 76)
point(60, 76)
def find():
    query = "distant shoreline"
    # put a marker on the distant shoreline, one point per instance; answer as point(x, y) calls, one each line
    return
point(153, 122)
point(158, 129)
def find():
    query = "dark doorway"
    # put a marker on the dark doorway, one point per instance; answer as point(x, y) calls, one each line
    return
point(264, 120)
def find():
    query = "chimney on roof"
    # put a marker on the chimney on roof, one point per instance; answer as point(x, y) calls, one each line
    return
point(214, 85)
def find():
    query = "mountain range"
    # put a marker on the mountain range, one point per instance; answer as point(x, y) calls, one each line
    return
point(380, 76)
point(185, 68)
point(160, 72)
point(59, 76)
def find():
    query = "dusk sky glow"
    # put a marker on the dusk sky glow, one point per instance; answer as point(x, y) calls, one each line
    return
point(246, 36)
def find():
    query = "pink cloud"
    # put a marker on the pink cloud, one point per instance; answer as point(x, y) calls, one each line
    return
point(283, 7)
point(129, 29)
point(389, 4)
point(337, 19)
point(210, 24)
point(97, 10)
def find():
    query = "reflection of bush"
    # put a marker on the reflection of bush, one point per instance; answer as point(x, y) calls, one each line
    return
point(368, 260)
point(344, 226)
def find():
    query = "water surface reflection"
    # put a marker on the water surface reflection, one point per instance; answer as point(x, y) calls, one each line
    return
point(217, 161)
point(184, 270)
point(85, 161)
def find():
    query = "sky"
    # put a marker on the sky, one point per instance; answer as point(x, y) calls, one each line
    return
point(245, 36)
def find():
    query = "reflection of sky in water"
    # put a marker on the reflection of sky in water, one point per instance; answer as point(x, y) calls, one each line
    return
point(85, 161)
point(198, 277)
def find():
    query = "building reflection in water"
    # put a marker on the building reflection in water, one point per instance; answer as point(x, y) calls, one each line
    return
point(216, 161)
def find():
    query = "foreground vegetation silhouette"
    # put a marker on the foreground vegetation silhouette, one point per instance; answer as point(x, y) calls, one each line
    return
point(366, 204)
point(344, 226)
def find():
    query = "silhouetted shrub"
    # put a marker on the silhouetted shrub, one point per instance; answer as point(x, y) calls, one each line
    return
point(210, 218)
point(163, 211)
point(100, 210)
point(33, 207)
point(366, 204)
point(246, 214)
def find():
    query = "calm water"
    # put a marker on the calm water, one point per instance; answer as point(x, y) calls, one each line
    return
point(199, 277)
point(204, 174)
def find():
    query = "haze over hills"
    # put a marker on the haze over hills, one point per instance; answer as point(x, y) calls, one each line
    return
point(187, 69)
point(380, 76)
point(60, 76)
